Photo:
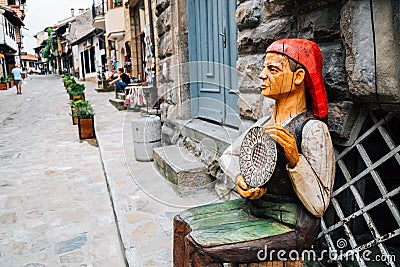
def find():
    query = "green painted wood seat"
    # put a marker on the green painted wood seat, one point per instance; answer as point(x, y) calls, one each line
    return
point(240, 220)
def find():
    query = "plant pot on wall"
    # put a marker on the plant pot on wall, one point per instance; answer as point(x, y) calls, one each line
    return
point(86, 128)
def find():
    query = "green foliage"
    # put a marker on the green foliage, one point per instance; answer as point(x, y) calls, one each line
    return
point(81, 109)
point(76, 89)
point(5, 79)
point(67, 82)
point(49, 48)
point(66, 78)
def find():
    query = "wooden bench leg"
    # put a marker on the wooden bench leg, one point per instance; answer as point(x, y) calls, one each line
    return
point(196, 257)
point(186, 252)
point(181, 230)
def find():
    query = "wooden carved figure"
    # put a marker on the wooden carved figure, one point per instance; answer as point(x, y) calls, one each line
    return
point(281, 213)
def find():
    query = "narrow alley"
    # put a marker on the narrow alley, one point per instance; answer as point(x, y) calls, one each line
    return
point(60, 197)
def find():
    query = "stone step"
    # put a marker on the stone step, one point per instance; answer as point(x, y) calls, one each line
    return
point(186, 173)
point(117, 103)
point(150, 111)
point(105, 90)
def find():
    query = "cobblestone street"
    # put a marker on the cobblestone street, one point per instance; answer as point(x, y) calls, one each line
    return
point(61, 197)
point(55, 207)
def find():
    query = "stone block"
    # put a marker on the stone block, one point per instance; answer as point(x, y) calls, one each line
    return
point(321, 25)
point(334, 71)
point(70, 245)
point(357, 32)
point(250, 106)
point(164, 22)
point(161, 5)
point(278, 8)
point(341, 118)
point(117, 103)
point(146, 132)
point(181, 168)
point(165, 68)
point(8, 218)
point(267, 106)
point(146, 129)
point(165, 48)
point(75, 257)
point(251, 41)
point(249, 14)
point(248, 68)
point(144, 151)
point(305, 6)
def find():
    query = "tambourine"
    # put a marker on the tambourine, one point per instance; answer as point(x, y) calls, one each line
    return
point(258, 156)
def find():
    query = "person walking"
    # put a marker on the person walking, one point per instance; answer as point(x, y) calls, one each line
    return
point(17, 74)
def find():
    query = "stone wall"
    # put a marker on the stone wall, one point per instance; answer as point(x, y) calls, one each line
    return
point(342, 29)
point(171, 25)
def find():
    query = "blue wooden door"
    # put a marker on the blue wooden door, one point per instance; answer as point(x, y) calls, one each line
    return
point(212, 55)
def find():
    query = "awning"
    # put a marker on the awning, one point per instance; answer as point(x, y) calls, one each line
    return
point(116, 35)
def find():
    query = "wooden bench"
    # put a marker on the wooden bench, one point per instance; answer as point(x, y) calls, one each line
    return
point(235, 231)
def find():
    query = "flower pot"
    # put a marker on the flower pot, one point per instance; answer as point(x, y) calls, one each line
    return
point(86, 128)
point(74, 120)
point(75, 97)
point(3, 86)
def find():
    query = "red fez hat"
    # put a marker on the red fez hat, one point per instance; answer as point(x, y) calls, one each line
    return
point(309, 55)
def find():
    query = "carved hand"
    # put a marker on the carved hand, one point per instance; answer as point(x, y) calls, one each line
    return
point(245, 191)
point(286, 141)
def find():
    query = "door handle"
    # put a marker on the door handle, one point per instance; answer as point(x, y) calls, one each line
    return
point(223, 34)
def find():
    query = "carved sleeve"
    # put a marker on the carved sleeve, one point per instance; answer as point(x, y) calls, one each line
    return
point(314, 174)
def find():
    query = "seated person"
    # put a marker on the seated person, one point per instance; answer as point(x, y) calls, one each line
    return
point(110, 75)
point(284, 213)
point(121, 82)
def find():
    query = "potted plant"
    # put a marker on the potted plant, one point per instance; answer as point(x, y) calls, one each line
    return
point(73, 106)
point(85, 114)
point(68, 81)
point(3, 83)
point(6, 83)
point(77, 91)
point(66, 78)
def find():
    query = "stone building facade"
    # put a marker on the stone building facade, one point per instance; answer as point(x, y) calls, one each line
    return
point(342, 29)
point(360, 47)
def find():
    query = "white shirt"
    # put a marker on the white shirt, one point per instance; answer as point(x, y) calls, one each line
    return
point(313, 176)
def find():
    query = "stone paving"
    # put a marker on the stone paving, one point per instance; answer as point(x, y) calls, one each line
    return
point(60, 198)
point(55, 206)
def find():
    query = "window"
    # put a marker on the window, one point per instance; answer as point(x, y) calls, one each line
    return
point(92, 60)
point(363, 215)
point(10, 29)
point(87, 65)
point(101, 44)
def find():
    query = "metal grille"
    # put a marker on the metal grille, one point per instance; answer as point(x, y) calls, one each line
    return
point(363, 214)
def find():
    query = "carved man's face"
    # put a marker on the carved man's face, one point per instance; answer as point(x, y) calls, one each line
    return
point(277, 78)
